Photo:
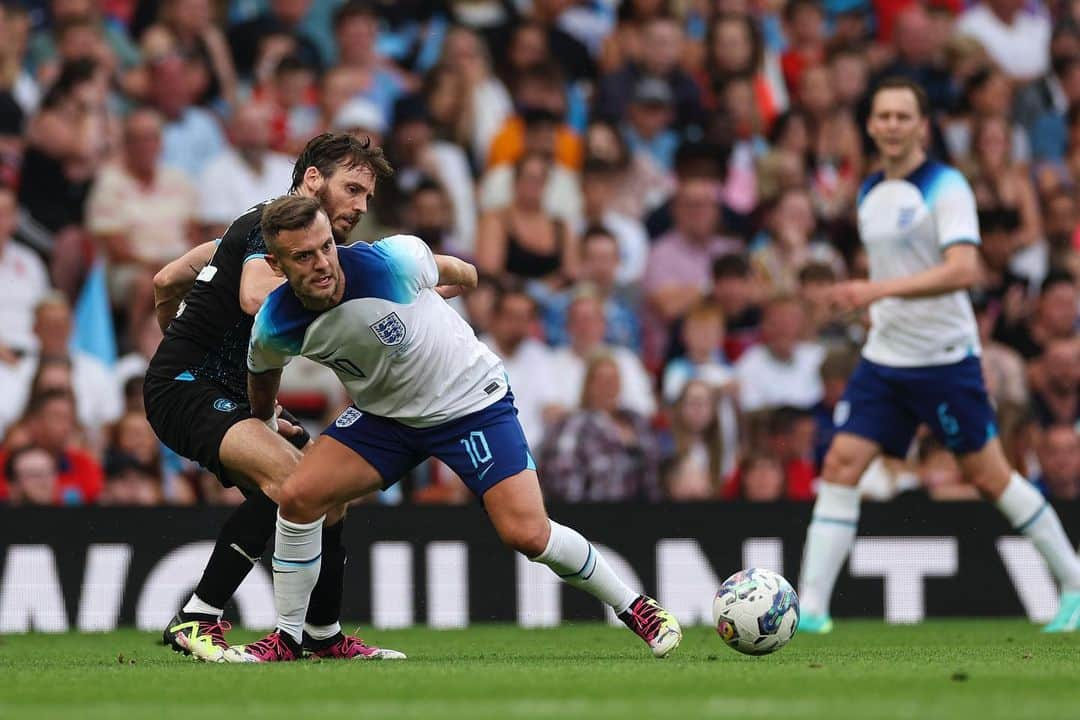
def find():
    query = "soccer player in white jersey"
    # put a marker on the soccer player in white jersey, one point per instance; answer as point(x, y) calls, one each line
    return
point(422, 385)
point(920, 364)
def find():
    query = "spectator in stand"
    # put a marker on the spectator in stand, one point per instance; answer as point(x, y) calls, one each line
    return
point(703, 339)
point(987, 92)
point(1056, 317)
point(677, 274)
point(417, 154)
point(1003, 368)
point(188, 27)
point(523, 239)
point(694, 466)
point(577, 64)
point(586, 328)
point(1062, 222)
point(815, 282)
point(761, 479)
point(641, 186)
point(466, 80)
point(663, 38)
point(244, 174)
point(601, 452)
point(561, 192)
point(849, 76)
point(733, 291)
point(66, 142)
point(786, 437)
point(51, 425)
point(526, 359)
point(356, 32)
point(804, 26)
point(598, 273)
point(129, 483)
point(96, 393)
point(143, 213)
point(998, 182)
point(735, 47)
point(782, 369)
point(1015, 36)
point(33, 477)
point(278, 29)
point(791, 244)
point(430, 217)
point(599, 185)
point(24, 282)
point(1055, 396)
point(1059, 463)
point(191, 136)
point(648, 125)
point(917, 57)
point(539, 93)
point(77, 29)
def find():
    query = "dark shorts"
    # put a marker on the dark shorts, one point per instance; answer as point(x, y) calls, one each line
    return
point(886, 404)
point(191, 416)
point(482, 448)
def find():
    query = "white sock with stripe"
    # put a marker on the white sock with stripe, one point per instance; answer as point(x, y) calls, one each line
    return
point(1029, 513)
point(296, 563)
point(577, 562)
point(828, 542)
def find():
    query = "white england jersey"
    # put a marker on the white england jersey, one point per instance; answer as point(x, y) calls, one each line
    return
point(398, 348)
point(905, 225)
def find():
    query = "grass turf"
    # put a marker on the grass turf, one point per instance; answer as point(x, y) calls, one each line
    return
point(981, 669)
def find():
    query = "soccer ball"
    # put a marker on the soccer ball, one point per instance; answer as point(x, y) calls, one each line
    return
point(756, 611)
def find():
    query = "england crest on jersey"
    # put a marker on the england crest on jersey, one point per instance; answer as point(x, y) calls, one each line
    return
point(390, 330)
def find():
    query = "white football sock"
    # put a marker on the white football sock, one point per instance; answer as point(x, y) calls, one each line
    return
point(828, 542)
point(1029, 513)
point(322, 632)
point(296, 563)
point(197, 605)
point(576, 561)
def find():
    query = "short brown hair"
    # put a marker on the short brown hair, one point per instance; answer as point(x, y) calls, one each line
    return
point(289, 212)
point(329, 151)
point(899, 82)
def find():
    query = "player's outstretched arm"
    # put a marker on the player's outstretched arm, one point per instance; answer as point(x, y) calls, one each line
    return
point(455, 273)
point(173, 281)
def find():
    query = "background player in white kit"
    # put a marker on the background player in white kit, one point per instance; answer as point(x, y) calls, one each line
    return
point(422, 385)
point(918, 221)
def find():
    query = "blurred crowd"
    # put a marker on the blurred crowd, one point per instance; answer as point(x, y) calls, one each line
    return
point(658, 195)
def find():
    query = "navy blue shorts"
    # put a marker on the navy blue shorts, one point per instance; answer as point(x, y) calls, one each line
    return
point(886, 404)
point(483, 447)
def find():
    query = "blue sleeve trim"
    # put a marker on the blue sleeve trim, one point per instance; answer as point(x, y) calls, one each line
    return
point(962, 241)
point(256, 256)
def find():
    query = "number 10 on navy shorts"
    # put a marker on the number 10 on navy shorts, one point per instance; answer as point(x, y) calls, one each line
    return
point(886, 404)
point(483, 447)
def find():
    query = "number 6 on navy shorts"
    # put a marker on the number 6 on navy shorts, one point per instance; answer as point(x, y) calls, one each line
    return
point(886, 404)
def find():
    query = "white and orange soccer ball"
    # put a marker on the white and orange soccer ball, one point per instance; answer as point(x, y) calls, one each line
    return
point(756, 611)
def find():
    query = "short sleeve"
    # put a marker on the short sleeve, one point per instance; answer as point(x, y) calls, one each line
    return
point(267, 350)
point(410, 261)
point(952, 203)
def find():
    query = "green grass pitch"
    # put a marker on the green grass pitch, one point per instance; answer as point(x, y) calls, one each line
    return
point(982, 669)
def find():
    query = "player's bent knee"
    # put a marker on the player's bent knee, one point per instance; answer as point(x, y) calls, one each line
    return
point(299, 505)
point(841, 468)
point(529, 537)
